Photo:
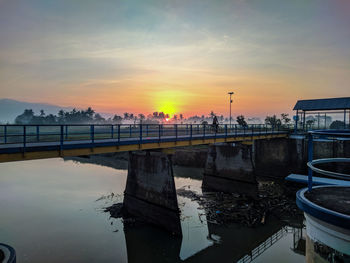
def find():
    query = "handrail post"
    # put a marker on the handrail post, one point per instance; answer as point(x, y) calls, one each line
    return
point(61, 137)
point(24, 137)
point(92, 133)
point(5, 134)
point(118, 133)
point(37, 133)
point(310, 157)
point(191, 132)
point(66, 132)
point(130, 131)
point(225, 130)
point(140, 133)
point(159, 132)
point(203, 131)
point(112, 131)
point(176, 132)
point(235, 130)
point(147, 130)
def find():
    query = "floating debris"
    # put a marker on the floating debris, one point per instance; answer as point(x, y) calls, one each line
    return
point(224, 208)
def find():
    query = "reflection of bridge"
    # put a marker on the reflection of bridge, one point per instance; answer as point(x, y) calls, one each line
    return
point(265, 245)
point(237, 243)
point(26, 142)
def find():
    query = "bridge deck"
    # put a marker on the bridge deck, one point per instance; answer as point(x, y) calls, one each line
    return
point(59, 146)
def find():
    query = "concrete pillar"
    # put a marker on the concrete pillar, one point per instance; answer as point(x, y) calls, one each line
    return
point(229, 168)
point(273, 157)
point(150, 190)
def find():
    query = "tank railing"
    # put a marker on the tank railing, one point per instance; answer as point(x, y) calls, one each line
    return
point(65, 133)
point(325, 135)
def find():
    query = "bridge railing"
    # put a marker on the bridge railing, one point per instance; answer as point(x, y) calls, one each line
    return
point(66, 133)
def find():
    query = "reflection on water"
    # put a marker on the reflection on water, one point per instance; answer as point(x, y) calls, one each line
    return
point(52, 211)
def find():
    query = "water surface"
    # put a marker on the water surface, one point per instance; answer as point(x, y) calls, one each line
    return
point(52, 211)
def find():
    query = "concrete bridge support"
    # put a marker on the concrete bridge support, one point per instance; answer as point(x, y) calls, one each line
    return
point(229, 168)
point(150, 190)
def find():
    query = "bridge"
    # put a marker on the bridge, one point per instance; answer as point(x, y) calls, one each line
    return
point(150, 189)
point(27, 142)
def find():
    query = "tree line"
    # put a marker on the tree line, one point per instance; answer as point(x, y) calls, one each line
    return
point(90, 116)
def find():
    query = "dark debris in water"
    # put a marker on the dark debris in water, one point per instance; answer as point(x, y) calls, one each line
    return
point(224, 208)
point(117, 211)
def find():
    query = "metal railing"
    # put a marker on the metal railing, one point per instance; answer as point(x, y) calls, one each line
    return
point(329, 135)
point(93, 133)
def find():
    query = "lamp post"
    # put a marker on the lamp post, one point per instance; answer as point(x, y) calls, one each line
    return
point(230, 93)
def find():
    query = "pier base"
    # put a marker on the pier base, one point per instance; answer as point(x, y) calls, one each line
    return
point(150, 190)
point(229, 168)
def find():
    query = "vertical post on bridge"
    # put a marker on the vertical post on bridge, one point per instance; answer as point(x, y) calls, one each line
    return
point(147, 130)
point(175, 132)
point(159, 132)
point(203, 131)
point(112, 131)
point(118, 133)
point(310, 157)
point(66, 132)
point(130, 131)
point(37, 133)
point(191, 132)
point(24, 137)
point(5, 134)
point(61, 138)
point(140, 134)
point(92, 133)
point(225, 130)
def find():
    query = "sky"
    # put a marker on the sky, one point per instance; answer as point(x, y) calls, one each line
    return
point(175, 56)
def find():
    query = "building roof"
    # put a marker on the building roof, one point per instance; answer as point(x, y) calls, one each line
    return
point(323, 104)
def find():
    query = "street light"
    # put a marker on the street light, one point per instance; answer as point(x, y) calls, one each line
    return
point(230, 93)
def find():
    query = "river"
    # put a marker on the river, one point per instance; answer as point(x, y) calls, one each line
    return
point(53, 211)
